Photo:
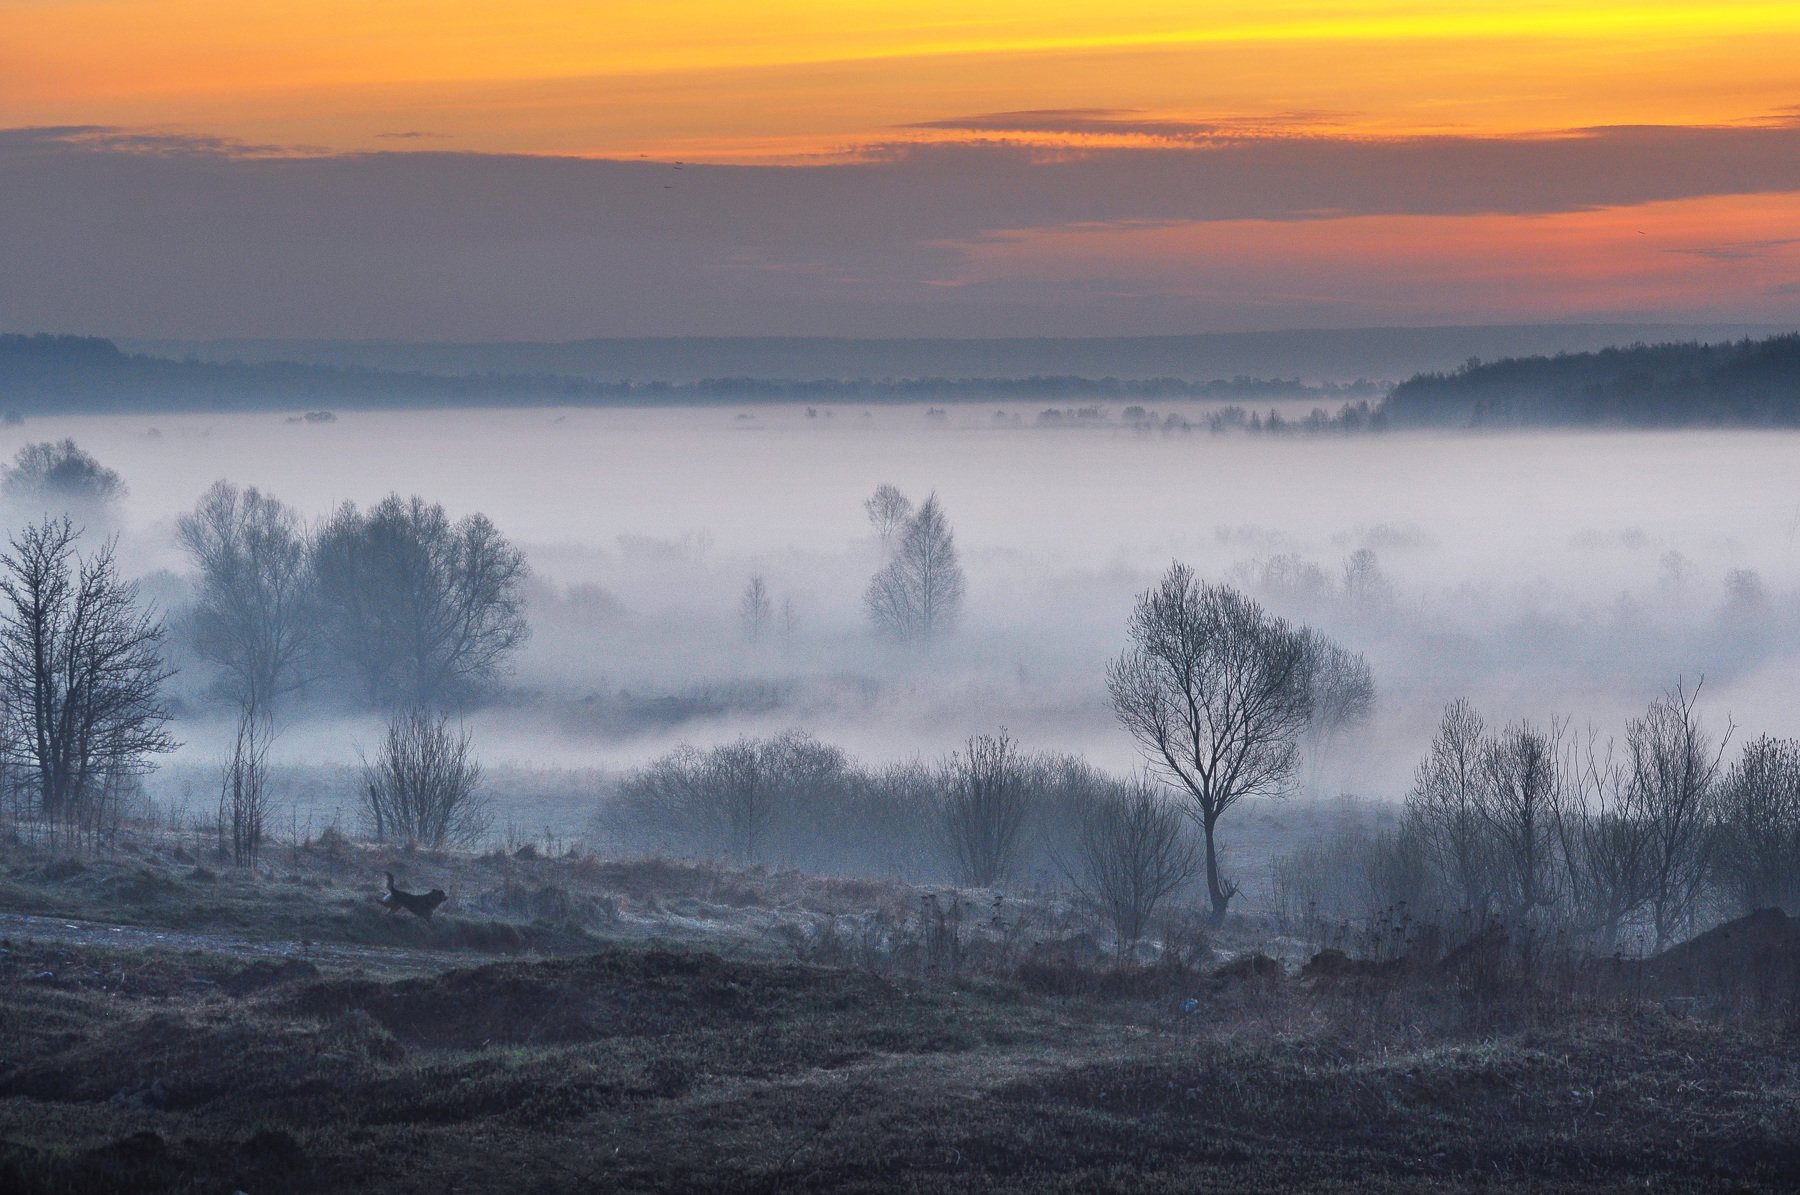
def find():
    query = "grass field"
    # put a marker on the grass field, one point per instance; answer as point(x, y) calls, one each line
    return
point(582, 1025)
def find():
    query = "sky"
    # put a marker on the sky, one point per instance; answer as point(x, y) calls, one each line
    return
point(555, 170)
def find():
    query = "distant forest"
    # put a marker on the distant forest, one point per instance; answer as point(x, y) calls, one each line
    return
point(47, 374)
point(1744, 383)
point(1741, 383)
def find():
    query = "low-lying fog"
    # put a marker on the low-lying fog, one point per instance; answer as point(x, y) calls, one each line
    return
point(1539, 574)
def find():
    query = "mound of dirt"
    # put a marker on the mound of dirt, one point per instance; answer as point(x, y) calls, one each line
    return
point(1756, 956)
point(1332, 964)
point(615, 992)
point(267, 973)
point(1252, 968)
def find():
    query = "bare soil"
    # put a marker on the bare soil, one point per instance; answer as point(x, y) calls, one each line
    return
point(580, 1025)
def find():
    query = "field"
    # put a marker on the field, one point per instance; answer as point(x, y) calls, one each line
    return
point(573, 1024)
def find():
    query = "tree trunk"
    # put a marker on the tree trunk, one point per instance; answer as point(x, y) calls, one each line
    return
point(1215, 887)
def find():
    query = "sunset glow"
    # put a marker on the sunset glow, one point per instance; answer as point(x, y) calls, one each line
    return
point(808, 84)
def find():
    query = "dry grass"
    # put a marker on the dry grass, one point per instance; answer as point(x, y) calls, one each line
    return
point(599, 1060)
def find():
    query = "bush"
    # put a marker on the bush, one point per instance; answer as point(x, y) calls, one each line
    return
point(422, 787)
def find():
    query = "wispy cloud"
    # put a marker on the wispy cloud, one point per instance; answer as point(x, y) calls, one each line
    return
point(100, 229)
point(1737, 250)
point(145, 142)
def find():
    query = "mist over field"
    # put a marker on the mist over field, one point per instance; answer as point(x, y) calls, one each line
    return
point(1569, 574)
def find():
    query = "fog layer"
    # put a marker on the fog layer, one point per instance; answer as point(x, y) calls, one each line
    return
point(1539, 574)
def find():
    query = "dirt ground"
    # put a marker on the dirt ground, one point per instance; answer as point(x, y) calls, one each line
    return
point(577, 1024)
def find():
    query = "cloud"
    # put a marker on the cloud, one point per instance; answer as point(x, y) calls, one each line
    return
point(147, 233)
point(1129, 123)
point(1738, 250)
point(147, 142)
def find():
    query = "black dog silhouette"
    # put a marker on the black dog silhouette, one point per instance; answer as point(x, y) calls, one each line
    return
point(419, 904)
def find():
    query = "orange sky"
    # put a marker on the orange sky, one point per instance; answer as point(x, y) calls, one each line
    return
point(1134, 84)
point(729, 80)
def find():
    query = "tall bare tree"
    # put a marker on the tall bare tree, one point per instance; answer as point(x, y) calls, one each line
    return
point(1444, 810)
point(755, 610)
point(421, 610)
point(1216, 691)
point(1604, 840)
point(1520, 770)
point(918, 596)
point(1674, 767)
point(256, 618)
point(888, 510)
point(81, 670)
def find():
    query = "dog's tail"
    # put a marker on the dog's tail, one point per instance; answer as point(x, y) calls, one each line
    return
point(390, 879)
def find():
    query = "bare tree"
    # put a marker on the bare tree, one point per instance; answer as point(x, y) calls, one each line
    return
point(1604, 840)
point(1444, 810)
point(918, 596)
point(244, 798)
point(420, 609)
point(60, 477)
point(1759, 859)
point(1343, 686)
point(1131, 852)
point(423, 786)
point(888, 510)
point(755, 609)
point(732, 796)
point(982, 815)
point(256, 615)
point(1674, 766)
point(1216, 692)
point(81, 671)
point(1366, 587)
point(740, 796)
point(1519, 813)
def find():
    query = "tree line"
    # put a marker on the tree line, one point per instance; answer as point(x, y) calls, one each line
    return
point(1744, 383)
point(1544, 830)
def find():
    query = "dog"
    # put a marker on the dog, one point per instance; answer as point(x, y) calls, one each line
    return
point(419, 904)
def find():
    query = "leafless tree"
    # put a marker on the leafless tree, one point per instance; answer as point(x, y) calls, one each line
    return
point(81, 671)
point(59, 477)
point(985, 802)
point(790, 618)
point(918, 596)
point(420, 609)
point(888, 510)
point(1444, 810)
point(1216, 692)
point(1518, 811)
point(661, 804)
point(244, 797)
point(1604, 839)
point(256, 615)
point(732, 796)
point(754, 609)
point(1759, 856)
point(1673, 767)
point(1132, 851)
point(423, 786)
point(1366, 587)
point(1343, 690)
